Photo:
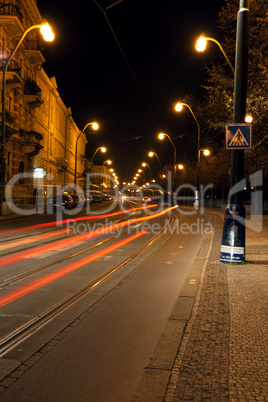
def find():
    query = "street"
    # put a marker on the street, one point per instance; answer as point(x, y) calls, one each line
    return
point(87, 312)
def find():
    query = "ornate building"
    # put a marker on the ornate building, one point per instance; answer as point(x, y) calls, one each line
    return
point(40, 134)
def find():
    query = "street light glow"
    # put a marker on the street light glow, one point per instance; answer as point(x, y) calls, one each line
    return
point(248, 119)
point(206, 152)
point(201, 44)
point(178, 107)
point(103, 149)
point(46, 31)
point(161, 136)
point(95, 126)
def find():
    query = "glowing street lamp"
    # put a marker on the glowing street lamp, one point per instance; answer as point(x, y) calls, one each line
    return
point(151, 154)
point(178, 108)
point(95, 126)
point(202, 43)
point(206, 152)
point(248, 119)
point(161, 136)
point(108, 161)
point(48, 36)
point(144, 164)
point(102, 149)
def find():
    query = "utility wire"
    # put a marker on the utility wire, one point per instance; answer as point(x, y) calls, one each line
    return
point(129, 67)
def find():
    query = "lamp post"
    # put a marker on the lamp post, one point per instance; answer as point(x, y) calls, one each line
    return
point(161, 136)
point(103, 149)
point(48, 36)
point(95, 126)
point(233, 238)
point(178, 108)
point(144, 164)
point(151, 154)
point(201, 45)
point(108, 161)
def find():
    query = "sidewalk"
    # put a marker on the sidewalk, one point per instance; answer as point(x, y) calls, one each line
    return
point(223, 354)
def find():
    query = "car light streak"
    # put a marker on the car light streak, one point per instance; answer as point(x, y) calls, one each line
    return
point(27, 254)
point(81, 218)
point(6, 299)
point(33, 239)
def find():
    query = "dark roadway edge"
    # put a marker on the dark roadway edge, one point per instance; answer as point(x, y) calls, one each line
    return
point(156, 375)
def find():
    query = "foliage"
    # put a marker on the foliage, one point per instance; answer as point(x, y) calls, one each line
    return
point(216, 109)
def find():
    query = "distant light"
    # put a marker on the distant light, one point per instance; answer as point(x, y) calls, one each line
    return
point(103, 149)
point(181, 167)
point(39, 173)
point(161, 136)
point(151, 154)
point(206, 152)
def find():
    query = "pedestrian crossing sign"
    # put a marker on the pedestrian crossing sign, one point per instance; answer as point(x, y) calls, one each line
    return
point(238, 136)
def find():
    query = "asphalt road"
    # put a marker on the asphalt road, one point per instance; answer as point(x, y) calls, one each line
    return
point(97, 349)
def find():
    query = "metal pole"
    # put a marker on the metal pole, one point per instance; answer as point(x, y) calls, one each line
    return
point(233, 238)
point(240, 92)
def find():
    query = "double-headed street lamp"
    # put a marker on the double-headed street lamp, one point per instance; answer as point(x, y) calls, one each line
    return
point(161, 136)
point(201, 46)
point(151, 154)
point(95, 126)
point(48, 36)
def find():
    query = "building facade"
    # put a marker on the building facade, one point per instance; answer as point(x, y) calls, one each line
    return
point(40, 133)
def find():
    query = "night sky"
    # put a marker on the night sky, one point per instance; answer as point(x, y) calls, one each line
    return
point(125, 67)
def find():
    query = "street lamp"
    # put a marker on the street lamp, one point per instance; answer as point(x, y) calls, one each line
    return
point(235, 250)
point(206, 152)
point(95, 126)
point(108, 161)
point(144, 164)
point(201, 46)
point(151, 154)
point(161, 136)
point(178, 108)
point(103, 149)
point(48, 36)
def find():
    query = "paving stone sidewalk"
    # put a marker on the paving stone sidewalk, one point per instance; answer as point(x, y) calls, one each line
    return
point(223, 354)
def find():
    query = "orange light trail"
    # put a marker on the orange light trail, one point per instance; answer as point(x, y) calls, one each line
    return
point(10, 259)
point(81, 218)
point(33, 239)
point(65, 270)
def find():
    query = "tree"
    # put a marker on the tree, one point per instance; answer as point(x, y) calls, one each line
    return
point(217, 107)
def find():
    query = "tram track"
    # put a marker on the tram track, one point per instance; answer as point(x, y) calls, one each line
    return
point(23, 332)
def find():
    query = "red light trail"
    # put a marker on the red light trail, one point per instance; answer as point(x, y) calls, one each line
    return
point(6, 299)
point(81, 218)
point(10, 259)
point(33, 239)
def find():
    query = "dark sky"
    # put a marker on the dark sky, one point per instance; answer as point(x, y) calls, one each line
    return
point(125, 67)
